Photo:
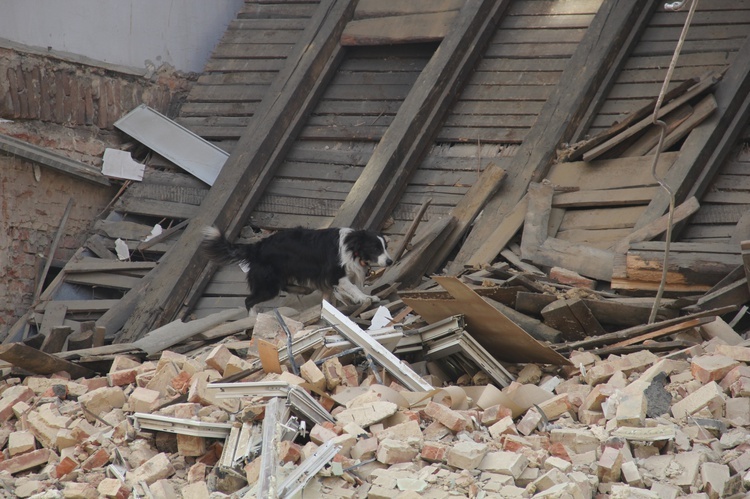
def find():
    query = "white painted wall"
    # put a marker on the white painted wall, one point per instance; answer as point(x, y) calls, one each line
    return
point(126, 32)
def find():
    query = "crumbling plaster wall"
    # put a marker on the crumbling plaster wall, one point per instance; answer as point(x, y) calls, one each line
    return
point(30, 213)
point(68, 108)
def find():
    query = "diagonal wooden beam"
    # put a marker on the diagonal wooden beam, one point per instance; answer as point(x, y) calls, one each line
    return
point(607, 38)
point(411, 133)
point(708, 145)
point(244, 176)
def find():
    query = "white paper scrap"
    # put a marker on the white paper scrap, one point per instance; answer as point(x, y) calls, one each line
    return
point(121, 248)
point(156, 231)
point(381, 319)
point(119, 164)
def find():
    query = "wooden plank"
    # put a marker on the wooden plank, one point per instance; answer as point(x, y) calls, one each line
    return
point(611, 173)
point(604, 197)
point(708, 145)
point(410, 268)
point(414, 28)
point(603, 218)
point(269, 356)
point(466, 211)
point(590, 262)
point(55, 340)
point(686, 271)
point(98, 265)
point(398, 153)
point(104, 280)
point(502, 234)
point(244, 177)
point(38, 362)
point(605, 37)
point(383, 8)
point(658, 226)
point(650, 138)
point(54, 316)
point(537, 219)
point(586, 318)
point(692, 85)
point(702, 111)
point(745, 246)
point(665, 331)
point(559, 316)
point(638, 330)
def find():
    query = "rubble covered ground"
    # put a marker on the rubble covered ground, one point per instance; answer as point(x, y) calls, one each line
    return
point(197, 424)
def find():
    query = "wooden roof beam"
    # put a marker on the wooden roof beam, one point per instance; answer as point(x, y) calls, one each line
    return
point(405, 142)
point(183, 271)
point(597, 56)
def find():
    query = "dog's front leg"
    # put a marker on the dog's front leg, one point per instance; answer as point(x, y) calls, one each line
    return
point(350, 293)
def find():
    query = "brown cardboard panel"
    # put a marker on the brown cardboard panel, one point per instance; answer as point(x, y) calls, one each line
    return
point(502, 337)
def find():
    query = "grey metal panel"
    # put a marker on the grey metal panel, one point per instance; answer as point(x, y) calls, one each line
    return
point(175, 142)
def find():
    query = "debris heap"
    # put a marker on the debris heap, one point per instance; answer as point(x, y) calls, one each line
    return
point(409, 409)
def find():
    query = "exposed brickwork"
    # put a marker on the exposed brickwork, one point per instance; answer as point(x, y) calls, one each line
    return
point(39, 88)
point(68, 108)
point(30, 213)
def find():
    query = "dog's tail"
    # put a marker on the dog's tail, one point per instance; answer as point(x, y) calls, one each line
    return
point(218, 248)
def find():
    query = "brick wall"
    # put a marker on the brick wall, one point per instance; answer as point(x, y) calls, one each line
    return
point(39, 88)
point(30, 214)
point(69, 108)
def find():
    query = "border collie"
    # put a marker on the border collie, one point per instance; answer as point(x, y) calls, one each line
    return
point(334, 261)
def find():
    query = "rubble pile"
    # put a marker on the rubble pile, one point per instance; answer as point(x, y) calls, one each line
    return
point(234, 420)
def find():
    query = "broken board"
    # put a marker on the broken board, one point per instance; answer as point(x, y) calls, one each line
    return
point(502, 337)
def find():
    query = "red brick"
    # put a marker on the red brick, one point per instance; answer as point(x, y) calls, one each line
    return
point(94, 383)
point(97, 460)
point(289, 452)
point(434, 452)
point(446, 416)
point(707, 368)
point(25, 461)
point(122, 377)
point(65, 466)
point(181, 382)
point(11, 397)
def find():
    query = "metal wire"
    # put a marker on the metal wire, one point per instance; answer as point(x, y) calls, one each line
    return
point(663, 126)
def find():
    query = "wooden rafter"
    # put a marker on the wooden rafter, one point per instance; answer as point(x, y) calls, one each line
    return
point(596, 56)
point(394, 160)
point(183, 272)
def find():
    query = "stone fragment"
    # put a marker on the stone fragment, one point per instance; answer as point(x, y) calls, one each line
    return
point(710, 395)
point(156, 468)
point(113, 488)
point(20, 442)
point(101, 401)
point(368, 414)
point(313, 375)
point(434, 452)
point(504, 463)
point(395, 451)
point(466, 455)
point(609, 465)
point(144, 400)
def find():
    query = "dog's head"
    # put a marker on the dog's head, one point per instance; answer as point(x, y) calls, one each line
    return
point(368, 247)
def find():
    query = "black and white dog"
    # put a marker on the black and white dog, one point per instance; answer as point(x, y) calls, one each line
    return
point(334, 261)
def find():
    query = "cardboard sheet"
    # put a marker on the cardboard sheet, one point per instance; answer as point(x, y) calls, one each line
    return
point(502, 337)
